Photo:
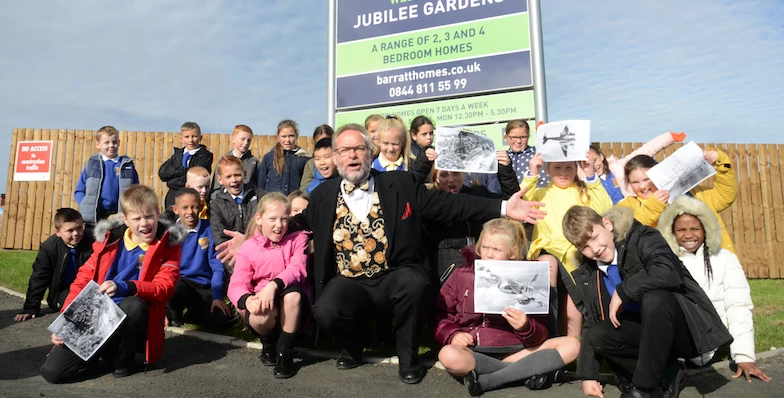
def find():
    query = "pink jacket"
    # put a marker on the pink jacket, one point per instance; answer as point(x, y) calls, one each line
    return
point(455, 313)
point(259, 261)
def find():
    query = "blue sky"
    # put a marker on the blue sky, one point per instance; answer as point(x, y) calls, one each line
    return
point(709, 68)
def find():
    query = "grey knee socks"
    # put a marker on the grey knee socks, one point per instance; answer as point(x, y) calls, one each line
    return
point(486, 364)
point(539, 362)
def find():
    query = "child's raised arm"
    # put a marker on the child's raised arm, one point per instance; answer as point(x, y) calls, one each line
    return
point(650, 148)
point(725, 187)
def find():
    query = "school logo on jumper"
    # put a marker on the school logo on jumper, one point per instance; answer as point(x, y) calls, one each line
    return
point(141, 261)
point(204, 243)
point(117, 170)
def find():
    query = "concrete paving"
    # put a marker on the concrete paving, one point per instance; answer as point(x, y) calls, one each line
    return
point(192, 367)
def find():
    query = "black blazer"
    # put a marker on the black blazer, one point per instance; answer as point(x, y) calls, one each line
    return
point(406, 205)
point(173, 174)
point(48, 271)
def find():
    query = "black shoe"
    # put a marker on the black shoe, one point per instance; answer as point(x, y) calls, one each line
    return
point(411, 374)
point(122, 372)
point(268, 355)
point(624, 383)
point(284, 367)
point(671, 381)
point(346, 361)
point(542, 381)
point(634, 392)
point(471, 381)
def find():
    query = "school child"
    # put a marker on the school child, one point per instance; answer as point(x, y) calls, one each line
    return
point(173, 170)
point(548, 242)
point(281, 168)
point(197, 178)
point(602, 170)
point(650, 148)
point(516, 134)
point(323, 164)
point(201, 284)
point(309, 173)
point(299, 201)
point(241, 138)
point(232, 208)
point(55, 266)
point(136, 262)
point(371, 125)
point(269, 282)
point(649, 201)
point(104, 178)
point(642, 310)
point(444, 240)
point(421, 134)
point(694, 235)
point(394, 145)
point(489, 351)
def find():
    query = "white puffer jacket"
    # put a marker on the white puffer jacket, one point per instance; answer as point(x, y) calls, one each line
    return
point(728, 288)
point(729, 292)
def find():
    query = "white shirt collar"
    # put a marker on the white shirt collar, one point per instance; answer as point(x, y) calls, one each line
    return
point(241, 195)
point(602, 266)
point(198, 226)
point(191, 151)
point(359, 202)
point(105, 158)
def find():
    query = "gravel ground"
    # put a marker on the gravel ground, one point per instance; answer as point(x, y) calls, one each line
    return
point(194, 368)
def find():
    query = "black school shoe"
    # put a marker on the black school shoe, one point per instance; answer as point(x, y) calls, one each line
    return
point(671, 382)
point(346, 361)
point(411, 374)
point(471, 381)
point(284, 366)
point(634, 392)
point(269, 355)
point(542, 381)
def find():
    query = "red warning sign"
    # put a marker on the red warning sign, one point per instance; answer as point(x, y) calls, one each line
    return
point(33, 161)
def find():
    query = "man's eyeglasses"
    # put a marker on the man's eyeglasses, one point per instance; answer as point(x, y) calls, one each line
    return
point(520, 138)
point(360, 150)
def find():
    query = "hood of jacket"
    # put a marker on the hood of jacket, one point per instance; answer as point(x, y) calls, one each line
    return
point(688, 205)
point(622, 219)
point(114, 228)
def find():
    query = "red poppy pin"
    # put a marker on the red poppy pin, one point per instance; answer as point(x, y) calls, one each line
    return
point(406, 213)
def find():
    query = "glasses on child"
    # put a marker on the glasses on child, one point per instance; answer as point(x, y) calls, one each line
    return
point(517, 138)
point(359, 150)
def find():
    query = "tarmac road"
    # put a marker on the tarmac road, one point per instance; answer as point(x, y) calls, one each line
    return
point(196, 368)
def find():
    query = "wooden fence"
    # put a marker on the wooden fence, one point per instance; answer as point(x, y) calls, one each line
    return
point(755, 221)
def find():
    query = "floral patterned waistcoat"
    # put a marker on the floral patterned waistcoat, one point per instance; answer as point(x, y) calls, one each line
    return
point(360, 247)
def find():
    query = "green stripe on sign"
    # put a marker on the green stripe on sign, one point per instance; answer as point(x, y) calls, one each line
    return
point(455, 112)
point(470, 39)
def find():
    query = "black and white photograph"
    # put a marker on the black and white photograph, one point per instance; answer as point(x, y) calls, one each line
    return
point(523, 285)
point(86, 324)
point(465, 151)
point(564, 141)
point(680, 172)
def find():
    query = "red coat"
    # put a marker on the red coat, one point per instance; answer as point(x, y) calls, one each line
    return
point(157, 277)
point(455, 313)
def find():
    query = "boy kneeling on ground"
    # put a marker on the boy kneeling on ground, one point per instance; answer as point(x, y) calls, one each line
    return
point(642, 309)
point(136, 262)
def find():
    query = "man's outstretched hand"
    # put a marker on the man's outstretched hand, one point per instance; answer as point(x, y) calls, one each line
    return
point(523, 210)
point(227, 251)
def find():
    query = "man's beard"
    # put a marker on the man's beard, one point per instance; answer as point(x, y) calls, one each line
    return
point(355, 177)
